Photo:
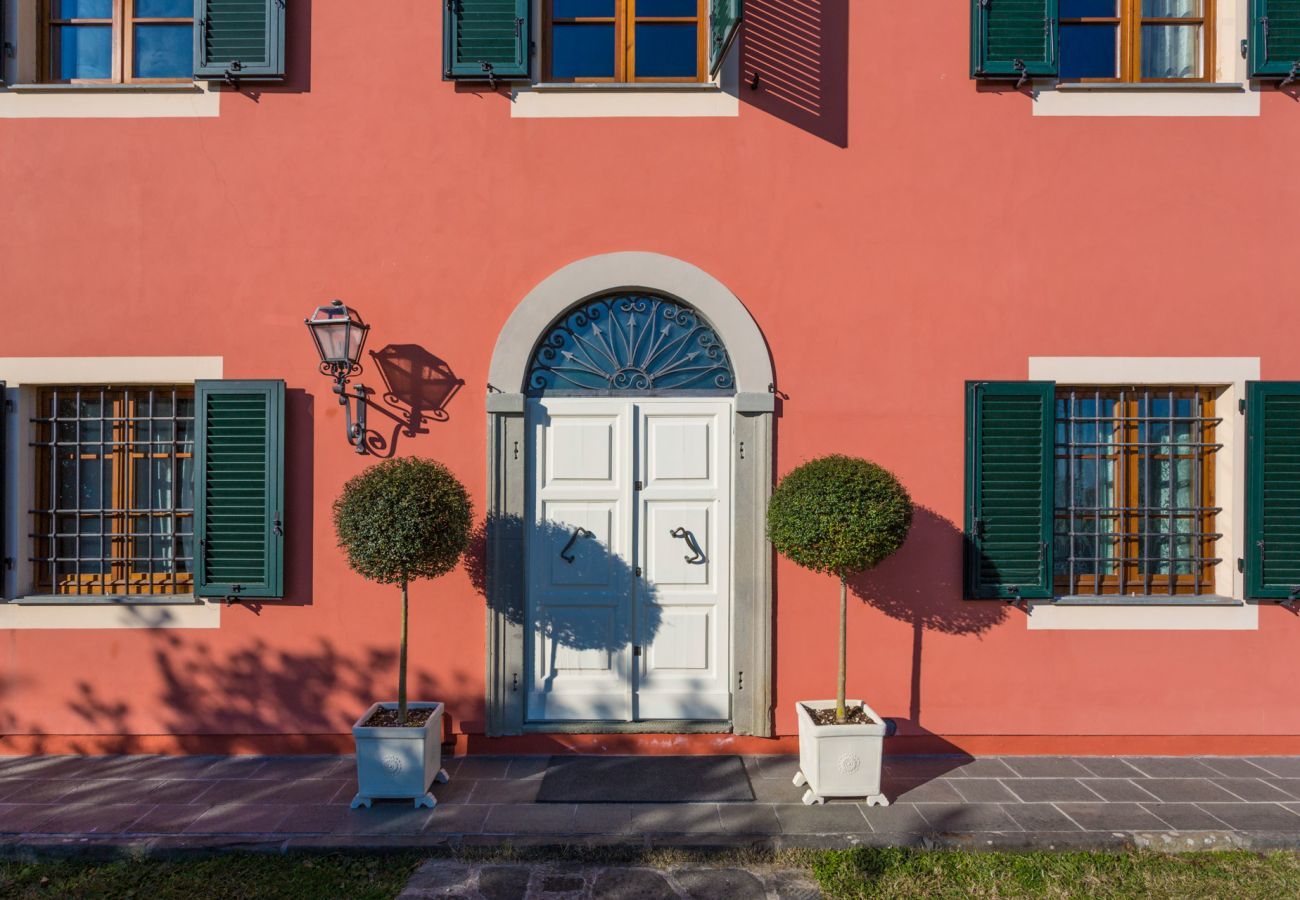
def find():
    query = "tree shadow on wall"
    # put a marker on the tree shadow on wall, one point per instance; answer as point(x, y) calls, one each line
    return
point(582, 616)
point(922, 585)
point(794, 64)
point(418, 387)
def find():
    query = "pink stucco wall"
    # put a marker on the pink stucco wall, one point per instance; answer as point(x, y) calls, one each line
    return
point(909, 233)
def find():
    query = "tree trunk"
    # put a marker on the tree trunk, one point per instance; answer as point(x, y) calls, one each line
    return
point(840, 714)
point(401, 664)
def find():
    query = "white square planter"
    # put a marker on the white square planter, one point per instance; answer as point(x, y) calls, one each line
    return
point(840, 760)
point(399, 763)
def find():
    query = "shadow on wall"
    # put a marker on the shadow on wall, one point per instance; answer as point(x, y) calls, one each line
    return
point(418, 386)
point(581, 614)
point(922, 585)
point(794, 64)
point(299, 501)
point(217, 699)
point(297, 56)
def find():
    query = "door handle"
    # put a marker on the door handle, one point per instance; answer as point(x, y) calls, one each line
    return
point(577, 533)
point(691, 543)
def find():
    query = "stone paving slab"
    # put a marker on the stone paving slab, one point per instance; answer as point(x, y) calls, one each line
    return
point(150, 801)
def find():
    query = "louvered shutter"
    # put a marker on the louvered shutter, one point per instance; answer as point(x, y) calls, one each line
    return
point(1273, 490)
point(1009, 484)
point(486, 39)
point(239, 39)
point(1013, 38)
point(5, 556)
point(724, 25)
point(239, 489)
point(1275, 38)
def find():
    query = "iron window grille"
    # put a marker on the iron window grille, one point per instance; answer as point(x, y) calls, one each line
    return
point(114, 511)
point(1134, 485)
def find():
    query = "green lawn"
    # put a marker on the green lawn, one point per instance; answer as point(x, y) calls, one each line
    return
point(843, 874)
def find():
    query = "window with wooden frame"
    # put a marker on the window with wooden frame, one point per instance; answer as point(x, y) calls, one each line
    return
point(1134, 485)
point(117, 41)
point(625, 40)
point(1137, 40)
point(114, 511)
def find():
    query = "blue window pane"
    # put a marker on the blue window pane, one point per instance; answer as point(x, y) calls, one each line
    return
point(665, 51)
point(582, 51)
point(164, 9)
point(647, 8)
point(82, 9)
point(81, 51)
point(583, 9)
point(1089, 51)
point(1084, 9)
point(164, 51)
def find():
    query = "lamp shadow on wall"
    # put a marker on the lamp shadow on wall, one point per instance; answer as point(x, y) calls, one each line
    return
point(922, 586)
point(418, 387)
point(794, 64)
point(579, 564)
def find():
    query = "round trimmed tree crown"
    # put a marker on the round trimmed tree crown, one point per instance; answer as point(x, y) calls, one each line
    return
point(403, 519)
point(839, 515)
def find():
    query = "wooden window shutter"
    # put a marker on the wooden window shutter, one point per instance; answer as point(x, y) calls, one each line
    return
point(724, 24)
point(1275, 39)
point(1273, 490)
point(239, 39)
point(484, 40)
point(1009, 489)
point(1013, 38)
point(239, 488)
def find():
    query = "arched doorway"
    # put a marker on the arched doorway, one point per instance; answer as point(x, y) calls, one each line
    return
point(629, 580)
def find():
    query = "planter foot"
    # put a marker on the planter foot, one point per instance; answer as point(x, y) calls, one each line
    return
point(426, 800)
point(877, 800)
point(442, 777)
point(359, 801)
point(809, 798)
point(799, 780)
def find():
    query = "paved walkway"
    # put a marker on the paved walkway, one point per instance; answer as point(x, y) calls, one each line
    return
point(289, 802)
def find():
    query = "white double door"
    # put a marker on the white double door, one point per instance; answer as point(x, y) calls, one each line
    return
point(629, 559)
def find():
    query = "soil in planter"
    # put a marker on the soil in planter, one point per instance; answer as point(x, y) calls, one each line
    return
point(387, 718)
point(853, 715)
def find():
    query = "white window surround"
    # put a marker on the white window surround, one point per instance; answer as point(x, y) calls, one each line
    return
point(1230, 95)
point(718, 98)
point(1231, 373)
point(22, 377)
point(21, 97)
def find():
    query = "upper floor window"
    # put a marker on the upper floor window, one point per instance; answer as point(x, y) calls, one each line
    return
point(117, 41)
point(1136, 40)
point(625, 40)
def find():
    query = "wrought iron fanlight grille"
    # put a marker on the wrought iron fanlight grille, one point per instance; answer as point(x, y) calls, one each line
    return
point(631, 343)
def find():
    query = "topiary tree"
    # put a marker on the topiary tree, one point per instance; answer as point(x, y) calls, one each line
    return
point(839, 515)
point(400, 520)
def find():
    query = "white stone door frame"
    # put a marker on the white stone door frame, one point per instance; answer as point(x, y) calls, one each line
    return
point(508, 478)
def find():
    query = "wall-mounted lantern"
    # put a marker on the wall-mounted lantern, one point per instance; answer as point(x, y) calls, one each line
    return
point(340, 334)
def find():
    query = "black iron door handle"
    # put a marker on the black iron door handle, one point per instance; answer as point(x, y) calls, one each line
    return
point(680, 532)
point(577, 533)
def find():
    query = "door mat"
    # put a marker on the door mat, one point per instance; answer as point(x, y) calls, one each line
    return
point(645, 779)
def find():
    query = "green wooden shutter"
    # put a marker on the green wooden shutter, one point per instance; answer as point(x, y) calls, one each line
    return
point(1273, 490)
point(1013, 38)
point(1275, 39)
point(724, 24)
point(487, 39)
point(239, 39)
point(239, 489)
point(1009, 484)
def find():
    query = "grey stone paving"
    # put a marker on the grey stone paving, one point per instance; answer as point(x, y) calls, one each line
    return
point(1010, 802)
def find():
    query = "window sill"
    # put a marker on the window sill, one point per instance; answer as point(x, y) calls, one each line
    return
point(1204, 600)
point(1156, 86)
point(188, 87)
point(625, 86)
point(107, 601)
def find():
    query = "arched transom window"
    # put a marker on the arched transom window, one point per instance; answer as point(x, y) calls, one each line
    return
point(631, 343)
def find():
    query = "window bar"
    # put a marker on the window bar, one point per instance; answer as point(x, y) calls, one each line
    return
point(1096, 479)
point(1120, 434)
point(1143, 424)
point(1069, 479)
point(54, 492)
point(1197, 539)
point(175, 470)
point(1173, 499)
point(105, 422)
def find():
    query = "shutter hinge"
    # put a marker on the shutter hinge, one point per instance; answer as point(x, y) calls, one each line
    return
point(1241, 406)
point(637, 571)
point(1245, 48)
point(278, 527)
point(231, 600)
point(638, 486)
point(1019, 66)
point(514, 682)
point(9, 49)
point(636, 650)
point(491, 73)
point(1241, 563)
point(231, 77)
